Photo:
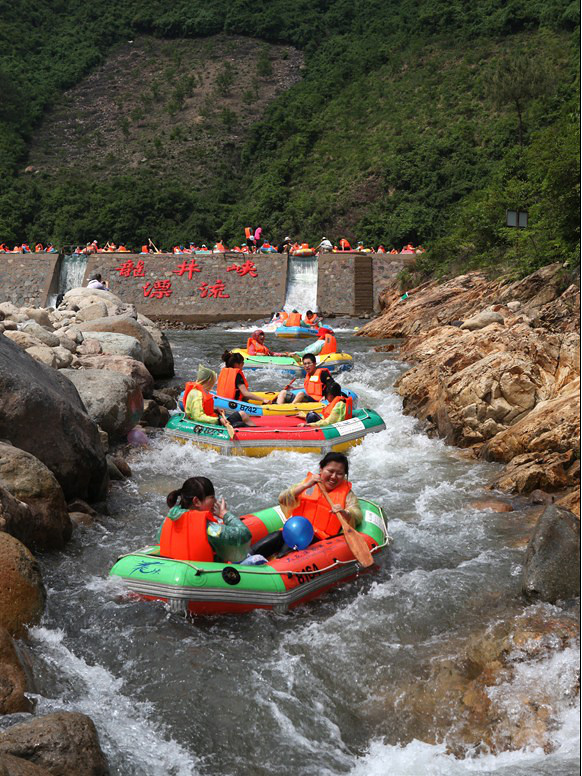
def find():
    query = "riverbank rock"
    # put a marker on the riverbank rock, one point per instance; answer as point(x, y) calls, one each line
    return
point(113, 400)
point(16, 766)
point(157, 361)
point(116, 344)
point(481, 320)
point(31, 482)
point(13, 680)
point(41, 412)
point(16, 518)
point(65, 743)
point(552, 561)
point(22, 593)
point(134, 369)
point(48, 338)
point(81, 298)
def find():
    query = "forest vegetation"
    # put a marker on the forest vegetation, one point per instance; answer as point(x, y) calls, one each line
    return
point(404, 121)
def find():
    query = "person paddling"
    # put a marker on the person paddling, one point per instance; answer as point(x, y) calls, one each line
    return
point(198, 526)
point(307, 499)
point(313, 385)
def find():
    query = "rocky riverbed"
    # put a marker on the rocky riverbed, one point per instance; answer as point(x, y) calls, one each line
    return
point(74, 382)
point(496, 371)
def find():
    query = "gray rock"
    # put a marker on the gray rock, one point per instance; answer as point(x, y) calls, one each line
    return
point(127, 366)
point(63, 357)
point(552, 561)
point(114, 472)
point(10, 325)
point(479, 321)
point(16, 518)
point(39, 315)
point(158, 360)
point(65, 743)
point(23, 339)
point(31, 482)
point(68, 343)
point(41, 412)
point(513, 306)
point(116, 344)
point(89, 347)
point(113, 400)
point(43, 354)
point(17, 766)
point(165, 399)
point(46, 337)
point(92, 312)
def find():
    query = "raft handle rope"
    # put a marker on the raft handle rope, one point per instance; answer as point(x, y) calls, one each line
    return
point(289, 574)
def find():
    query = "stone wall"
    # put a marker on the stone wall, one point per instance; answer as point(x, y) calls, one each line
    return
point(27, 279)
point(195, 289)
point(350, 283)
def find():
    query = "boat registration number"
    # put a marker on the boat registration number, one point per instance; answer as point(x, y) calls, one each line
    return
point(349, 426)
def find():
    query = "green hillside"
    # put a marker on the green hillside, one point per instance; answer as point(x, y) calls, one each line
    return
point(408, 121)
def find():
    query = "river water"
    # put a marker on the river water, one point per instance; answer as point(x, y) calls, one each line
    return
point(328, 688)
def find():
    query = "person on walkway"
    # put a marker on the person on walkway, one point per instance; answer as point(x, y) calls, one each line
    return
point(324, 246)
point(98, 282)
point(198, 526)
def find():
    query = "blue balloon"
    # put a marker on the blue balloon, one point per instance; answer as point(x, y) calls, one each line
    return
point(297, 532)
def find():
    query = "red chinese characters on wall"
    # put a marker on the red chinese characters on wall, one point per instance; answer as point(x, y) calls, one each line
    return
point(248, 268)
point(159, 290)
point(189, 267)
point(128, 268)
point(213, 292)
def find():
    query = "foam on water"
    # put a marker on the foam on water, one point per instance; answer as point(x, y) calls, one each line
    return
point(308, 692)
point(124, 723)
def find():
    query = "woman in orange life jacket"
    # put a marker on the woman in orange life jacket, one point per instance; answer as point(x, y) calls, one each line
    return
point(306, 499)
point(256, 344)
point(199, 403)
point(335, 411)
point(313, 386)
point(232, 384)
point(198, 526)
point(311, 318)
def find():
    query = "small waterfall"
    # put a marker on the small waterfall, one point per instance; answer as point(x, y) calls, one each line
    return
point(301, 284)
point(72, 272)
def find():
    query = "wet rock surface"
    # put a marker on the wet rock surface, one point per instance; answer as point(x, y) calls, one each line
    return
point(506, 382)
point(65, 743)
point(552, 562)
point(22, 594)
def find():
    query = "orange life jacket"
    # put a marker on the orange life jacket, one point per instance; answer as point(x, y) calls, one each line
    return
point(283, 315)
point(344, 244)
point(248, 232)
point(254, 348)
point(326, 412)
point(207, 398)
point(393, 251)
point(330, 345)
point(122, 249)
point(145, 249)
point(38, 248)
point(381, 249)
point(313, 506)
point(294, 319)
point(186, 537)
point(311, 318)
point(313, 386)
point(220, 247)
point(226, 385)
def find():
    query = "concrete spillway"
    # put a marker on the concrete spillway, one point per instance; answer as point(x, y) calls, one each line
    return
point(301, 292)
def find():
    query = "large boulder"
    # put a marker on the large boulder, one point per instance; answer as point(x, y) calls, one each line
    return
point(65, 743)
point(23, 339)
point(40, 315)
point(44, 355)
point(122, 364)
point(155, 360)
point(30, 481)
point(85, 297)
point(13, 679)
point(552, 561)
point(16, 518)
point(22, 594)
point(16, 766)
point(116, 344)
point(41, 412)
point(481, 320)
point(113, 400)
point(40, 333)
point(92, 311)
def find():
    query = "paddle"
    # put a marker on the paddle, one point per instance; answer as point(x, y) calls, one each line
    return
point(286, 388)
point(153, 246)
point(227, 425)
point(354, 540)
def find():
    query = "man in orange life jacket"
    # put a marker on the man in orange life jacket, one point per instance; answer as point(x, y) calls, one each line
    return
point(313, 386)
